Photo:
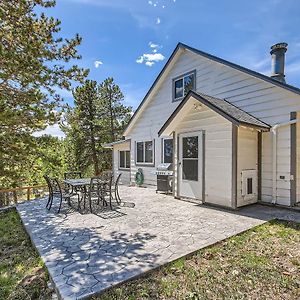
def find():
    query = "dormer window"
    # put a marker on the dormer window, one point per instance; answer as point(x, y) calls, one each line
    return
point(183, 84)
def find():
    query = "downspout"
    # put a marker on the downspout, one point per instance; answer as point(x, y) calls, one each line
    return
point(274, 156)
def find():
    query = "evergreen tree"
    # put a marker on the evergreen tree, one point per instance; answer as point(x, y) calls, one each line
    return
point(98, 117)
point(32, 66)
point(84, 123)
point(116, 113)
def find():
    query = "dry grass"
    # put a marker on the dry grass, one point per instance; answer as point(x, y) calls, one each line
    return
point(22, 274)
point(262, 263)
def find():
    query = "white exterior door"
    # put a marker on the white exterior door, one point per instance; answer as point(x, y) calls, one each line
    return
point(190, 165)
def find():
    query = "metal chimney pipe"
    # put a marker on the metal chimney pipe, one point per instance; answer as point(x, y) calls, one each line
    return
point(278, 60)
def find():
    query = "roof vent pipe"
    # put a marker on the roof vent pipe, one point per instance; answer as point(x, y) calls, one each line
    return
point(278, 57)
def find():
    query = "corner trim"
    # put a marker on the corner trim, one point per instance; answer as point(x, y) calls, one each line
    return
point(173, 159)
point(259, 165)
point(234, 166)
point(203, 166)
point(177, 171)
point(293, 160)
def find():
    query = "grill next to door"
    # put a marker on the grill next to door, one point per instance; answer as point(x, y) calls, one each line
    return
point(164, 175)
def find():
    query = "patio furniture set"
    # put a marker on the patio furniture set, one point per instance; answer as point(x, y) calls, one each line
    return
point(100, 190)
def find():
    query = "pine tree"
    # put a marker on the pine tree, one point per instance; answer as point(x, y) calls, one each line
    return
point(116, 113)
point(32, 67)
point(98, 117)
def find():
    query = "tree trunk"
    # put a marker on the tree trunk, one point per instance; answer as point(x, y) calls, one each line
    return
point(94, 155)
point(112, 130)
point(93, 141)
point(94, 152)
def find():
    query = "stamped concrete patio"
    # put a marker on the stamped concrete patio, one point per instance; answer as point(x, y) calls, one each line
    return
point(88, 253)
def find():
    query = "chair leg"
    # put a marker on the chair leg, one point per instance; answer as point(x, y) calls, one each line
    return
point(116, 197)
point(61, 198)
point(110, 198)
point(84, 196)
point(78, 202)
point(90, 200)
point(119, 198)
point(51, 201)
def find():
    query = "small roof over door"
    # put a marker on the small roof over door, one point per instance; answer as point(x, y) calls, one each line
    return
point(226, 109)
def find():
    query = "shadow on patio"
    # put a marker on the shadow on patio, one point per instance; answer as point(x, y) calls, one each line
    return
point(82, 259)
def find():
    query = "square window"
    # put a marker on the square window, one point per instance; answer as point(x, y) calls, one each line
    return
point(183, 85)
point(144, 152)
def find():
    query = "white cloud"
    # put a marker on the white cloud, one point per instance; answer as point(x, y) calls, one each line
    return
point(98, 63)
point(150, 58)
point(149, 63)
point(154, 57)
point(158, 21)
point(152, 45)
point(150, 2)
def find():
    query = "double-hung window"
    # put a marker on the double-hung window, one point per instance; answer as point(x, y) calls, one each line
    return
point(124, 159)
point(144, 152)
point(167, 150)
point(183, 84)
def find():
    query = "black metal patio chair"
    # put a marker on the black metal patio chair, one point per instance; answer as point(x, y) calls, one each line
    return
point(56, 191)
point(97, 190)
point(114, 189)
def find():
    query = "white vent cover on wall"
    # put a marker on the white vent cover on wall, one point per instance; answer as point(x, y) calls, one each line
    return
point(249, 184)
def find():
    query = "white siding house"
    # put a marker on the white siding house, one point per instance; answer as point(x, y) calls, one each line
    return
point(242, 162)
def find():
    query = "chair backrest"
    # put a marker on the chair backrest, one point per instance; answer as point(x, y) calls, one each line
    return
point(47, 179)
point(72, 175)
point(55, 186)
point(96, 185)
point(117, 181)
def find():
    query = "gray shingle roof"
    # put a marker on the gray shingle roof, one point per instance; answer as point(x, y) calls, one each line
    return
point(222, 107)
point(233, 111)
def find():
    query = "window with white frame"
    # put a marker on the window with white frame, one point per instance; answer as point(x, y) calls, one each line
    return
point(167, 150)
point(183, 84)
point(144, 152)
point(124, 159)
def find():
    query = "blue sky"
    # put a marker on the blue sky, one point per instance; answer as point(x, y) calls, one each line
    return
point(131, 40)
